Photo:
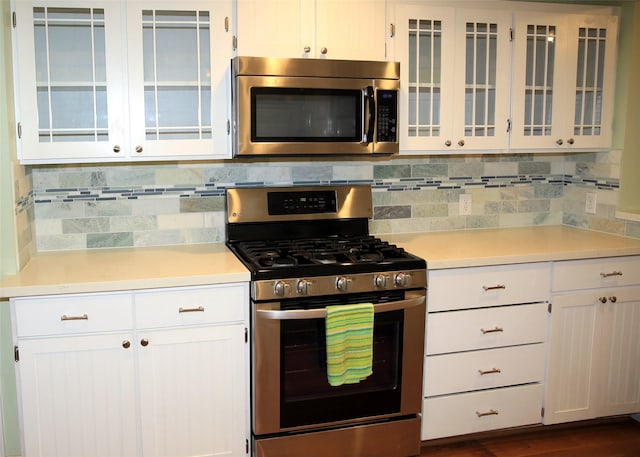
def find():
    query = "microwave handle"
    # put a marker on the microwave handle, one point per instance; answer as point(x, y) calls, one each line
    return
point(369, 100)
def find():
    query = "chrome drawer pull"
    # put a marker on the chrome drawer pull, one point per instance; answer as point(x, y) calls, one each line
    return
point(613, 273)
point(496, 329)
point(499, 286)
point(491, 412)
point(83, 317)
point(199, 309)
point(492, 371)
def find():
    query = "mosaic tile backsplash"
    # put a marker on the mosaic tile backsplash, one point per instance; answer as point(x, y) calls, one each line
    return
point(99, 206)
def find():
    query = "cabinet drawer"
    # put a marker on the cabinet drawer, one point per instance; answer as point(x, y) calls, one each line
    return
point(72, 314)
point(192, 306)
point(596, 273)
point(456, 331)
point(480, 411)
point(461, 288)
point(489, 368)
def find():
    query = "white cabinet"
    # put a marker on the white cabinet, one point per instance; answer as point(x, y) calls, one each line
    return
point(161, 372)
point(454, 90)
point(331, 29)
point(485, 348)
point(563, 79)
point(122, 81)
point(594, 346)
point(503, 76)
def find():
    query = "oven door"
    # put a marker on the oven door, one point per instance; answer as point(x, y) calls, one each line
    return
point(290, 386)
point(277, 115)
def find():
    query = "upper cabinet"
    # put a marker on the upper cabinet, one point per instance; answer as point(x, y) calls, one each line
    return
point(563, 79)
point(331, 29)
point(122, 81)
point(501, 77)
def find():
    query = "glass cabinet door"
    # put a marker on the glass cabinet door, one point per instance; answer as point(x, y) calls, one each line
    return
point(484, 86)
point(70, 81)
point(173, 78)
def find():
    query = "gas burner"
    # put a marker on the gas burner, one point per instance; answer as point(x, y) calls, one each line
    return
point(370, 257)
point(276, 261)
point(323, 258)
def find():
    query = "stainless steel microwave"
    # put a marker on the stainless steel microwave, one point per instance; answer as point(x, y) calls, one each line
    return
point(312, 107)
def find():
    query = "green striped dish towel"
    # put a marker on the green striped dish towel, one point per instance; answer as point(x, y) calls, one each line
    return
point(349, 330)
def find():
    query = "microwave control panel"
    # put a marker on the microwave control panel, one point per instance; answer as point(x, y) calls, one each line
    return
point(387, 116)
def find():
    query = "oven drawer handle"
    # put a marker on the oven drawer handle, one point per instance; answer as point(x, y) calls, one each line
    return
point(321, 313)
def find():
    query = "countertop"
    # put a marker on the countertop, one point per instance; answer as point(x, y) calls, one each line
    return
point(144, 268)
point(471, 248)
point(125, 269)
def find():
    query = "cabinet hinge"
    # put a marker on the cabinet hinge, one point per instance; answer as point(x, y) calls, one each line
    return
point(542, 412)
point(511, 34)
point(228, 126)
point(234, 43)
point(14, 19)
point(246, 446)
point(16, 353)
point(246, 335)
point(549, 308)
point(508, 125)
point(19, 128)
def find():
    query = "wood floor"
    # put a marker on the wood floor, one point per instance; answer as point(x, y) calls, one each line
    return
point(618, 437)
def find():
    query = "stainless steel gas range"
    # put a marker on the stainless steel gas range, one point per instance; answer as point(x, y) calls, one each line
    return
point(308, 248)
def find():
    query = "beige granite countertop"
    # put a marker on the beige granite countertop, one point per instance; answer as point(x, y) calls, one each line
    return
point(143, 268)
point(469, 248)
point(125, 269)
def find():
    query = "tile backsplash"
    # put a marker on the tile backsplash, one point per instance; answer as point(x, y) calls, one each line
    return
point(105, 206)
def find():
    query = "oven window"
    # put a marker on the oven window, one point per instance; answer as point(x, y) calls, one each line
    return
point(306, 396)
point(299, 115)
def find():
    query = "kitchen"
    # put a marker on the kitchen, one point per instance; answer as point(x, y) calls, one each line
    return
point(183, 203)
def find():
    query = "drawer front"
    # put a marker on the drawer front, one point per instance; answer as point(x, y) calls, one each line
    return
point(484, 328)
point(472, 412)
point(596, 273)
point(192, 306)
point(72, 314)
point(477, 287)
point(489, 368)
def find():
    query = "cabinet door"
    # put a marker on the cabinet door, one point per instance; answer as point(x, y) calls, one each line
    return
point(621, 352)
point(70, 81)
point(192, 385)
point(77, 396)
point(424, 37)
point(574, 360)
point(540, 80)
point(592, 52)
point(178, 56)
point(482, 84)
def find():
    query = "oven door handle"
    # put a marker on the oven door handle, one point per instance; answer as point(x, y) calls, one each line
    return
point(297, 314)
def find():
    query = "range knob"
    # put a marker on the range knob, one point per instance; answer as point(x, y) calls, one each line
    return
point(303, 286)
point(402, 279)
point(342, 283)
point(280, 288)
point(380, 281)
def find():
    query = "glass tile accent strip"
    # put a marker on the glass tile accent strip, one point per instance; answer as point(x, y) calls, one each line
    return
point(425, 54)
point(590, 81)
point(177, 74)
point(538, 105)
point(480, 79)
point(71, 79)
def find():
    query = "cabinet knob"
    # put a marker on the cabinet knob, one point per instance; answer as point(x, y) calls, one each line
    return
point(603, 299)
point(461, 143)
point(307, 49)
point(138, 148)
point(559, 142)
point(613, 299)
point(116, 148)
point(447, 143)
point(323, 51)
point(570, 141)
point(126, 344)
point(144, 342)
